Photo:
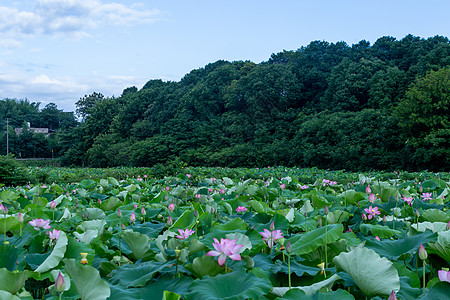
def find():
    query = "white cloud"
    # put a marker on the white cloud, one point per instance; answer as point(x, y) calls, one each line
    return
point(69, 18)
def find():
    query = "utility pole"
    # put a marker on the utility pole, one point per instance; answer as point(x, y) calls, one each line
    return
point(7, 136)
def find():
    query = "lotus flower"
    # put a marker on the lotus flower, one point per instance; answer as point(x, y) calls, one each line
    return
point(408, 200)
point(422, 252)
point(392, 296)
point(224, 249)
point(368, 190)
point(444, 275)
point(271, 236)
point(40, 223)
point(171, 207)
point(372, 212)
point(132, 217)
point(54, 235)
point(372, 197)
point(184, 234)
point(241, 209)
point(53, 204)
point(427, 196)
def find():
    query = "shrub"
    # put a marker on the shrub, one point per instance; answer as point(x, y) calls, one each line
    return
point(12, 172)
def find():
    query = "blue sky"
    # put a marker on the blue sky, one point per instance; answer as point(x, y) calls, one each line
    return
point(60, 50)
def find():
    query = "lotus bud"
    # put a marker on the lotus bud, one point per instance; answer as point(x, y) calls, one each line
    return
point(448, 225)
point(143, 211)
point(377, 238)
point(60, 284)
point(272, 226)
point(364, 217)
point(119, 213)
point(53, 205)
point(288, 247)
point(169, 221)
point(132, 217)
point(384, 219)
point(20, 217)
point(195, 213)
point(135, 206)
point(368, 190)
point(326, 210)
point(319, 222)
point(422, 252)
point(417, 213)
point(212, 210)
point(171, 207)
point(372, 198)
point(99, 201)
point(123, 226)
point(392, 296)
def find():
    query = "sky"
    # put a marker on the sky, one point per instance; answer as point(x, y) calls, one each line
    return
point(58, 51)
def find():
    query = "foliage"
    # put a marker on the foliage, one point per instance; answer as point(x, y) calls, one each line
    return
point(12, 172)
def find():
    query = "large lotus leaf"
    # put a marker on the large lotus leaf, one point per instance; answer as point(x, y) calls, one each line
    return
point(232, 286)
point(149, 229)
point(312, 240)
point(371, 273)
point(94, 213)
point(306, 225)
point(435, 215)
point(75, 247)
point(87, 183)
point(8, 256)
point(8, 223)
point(119, 292)
point(405, 272)
point(406, 291)
point(170, 296)
point(407, 246)
point(205, 265)
point(241, 239)
point(110, 204)
point(186, 220)
point(87, 281)
point(56, 255)
point(384, 190)
point(8, 196)
point(439, 291)
point(434, 227)
point(156, 288)
point(257, 206)
point(442, 246)
point(351, 196)
point(12, 282)
point(296, 268)
point(235, 224)
point(308, 290)
point(381, 231)
point(337, 216)
point(137, 276)
point(4, 295)
point(87, 236)
point(138, 243)
point(295, 294)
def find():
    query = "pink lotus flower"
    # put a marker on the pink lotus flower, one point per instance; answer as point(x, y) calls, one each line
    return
point(188, 175)
point(54, 235)
point(377, 238)
point(60, 284)
point(408, 200)
point(304, 187)
point(171, 207)
point(368, 190)
point(143, 211)
point(53, 205)
point(427, 196)
point(241, 209)
point(20, 217)
point(372, 212)
point(40, 223)
point(222, 191)
point(224, 249)
point(271, 236)
point(184, 234)
point(282, 186)
point(3, 209)
point(444, 275)
point(372, 198)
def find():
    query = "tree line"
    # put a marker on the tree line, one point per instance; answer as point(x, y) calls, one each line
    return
point(329, 105)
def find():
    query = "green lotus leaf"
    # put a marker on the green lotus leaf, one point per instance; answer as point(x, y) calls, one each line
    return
point(257, 206)
point(296, 268)
point(87, 236)
point(87, 183)
point(381, 231)
point(435, 215)
point(295, 294)
point(406, 290)
point(166, 286)
point(308, 290)
point(403, 271)
point(8, 196)
point(87, 281)
point(205, 265)
point(94, 213)
point(149, 229)
point(351, 196)
point(111, 203)
point(232, 286)
point(137, 276)
point(186, 220)
point(56, 255)
point(371, 273)
point(8, 223)
point(438, 291)
point(241, 239)
point(12, 282)
point(4, 295)
point(383, 190)
point(407, 246)
point(119, 292)
point(442, 246)
point(434, 227)
point(337, 216)
point(9, 255)
point(312, 240)
point(235, 224)
point(138, 243)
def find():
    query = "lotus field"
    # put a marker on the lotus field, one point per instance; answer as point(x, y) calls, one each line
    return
point(228, 234)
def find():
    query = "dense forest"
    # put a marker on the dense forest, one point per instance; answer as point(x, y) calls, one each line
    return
point(329, 105)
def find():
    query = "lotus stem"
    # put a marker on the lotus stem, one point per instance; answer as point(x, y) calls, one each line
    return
point(289, 271)
point(424, 281)
point(120, 248)
point(326, 243)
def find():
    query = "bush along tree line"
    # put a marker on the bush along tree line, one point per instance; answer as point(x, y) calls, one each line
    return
point(367, 106)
